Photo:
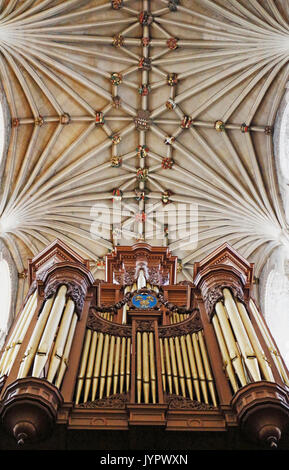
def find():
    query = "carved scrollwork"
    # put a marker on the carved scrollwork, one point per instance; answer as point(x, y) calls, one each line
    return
point(118, 400)
point(172, 307)
point(74, 291)
point(127, 297)
point(214, 295)
point(96, 323)
point(117, 305)
point(179, 402)
point(144, 325)
point(191, 325)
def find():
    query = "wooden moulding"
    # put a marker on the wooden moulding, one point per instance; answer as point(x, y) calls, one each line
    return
point(223, 268)
point(56, 252)
point(106, 419)
point(147, 415)
point(133, 415)
point(262, 409)
point(58, 264)
point(29, 409)
point(125, 260)
point(184, 420)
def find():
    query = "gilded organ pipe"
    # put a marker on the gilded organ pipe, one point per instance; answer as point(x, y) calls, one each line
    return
point(84, 358)
point(90, 365)
point(168, 365)
point(230, 342)
point(146, 374)
point(139, 366)
point(116, 365)
point(60, 341)
point(49, 332)
point(180, 366)
point(209, 377)
point(200, 368)
point(97, 365)
point(10, 344)
point(243, 340)
point(174, 365)
point(35, 338)
point(263, 361)
point(110, 365)
point(122, 364)
point(104, 365)
point(270, 343)
point(128, 361)
point(19, 333)
point(225, 354)
point(186, 367)
point(152, 366)
point(65, 358)
point(193, 366)
point(163, 371)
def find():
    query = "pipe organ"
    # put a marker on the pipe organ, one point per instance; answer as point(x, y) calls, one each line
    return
point(141, 350)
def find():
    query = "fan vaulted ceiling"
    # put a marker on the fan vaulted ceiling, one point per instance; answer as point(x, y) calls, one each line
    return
point(153, 101)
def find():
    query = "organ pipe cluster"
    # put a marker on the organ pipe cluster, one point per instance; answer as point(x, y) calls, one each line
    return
point(19, 330)
point(186, 369)
point(146, 368)
point(105, 366)
point(243, 356)
point(47, 353)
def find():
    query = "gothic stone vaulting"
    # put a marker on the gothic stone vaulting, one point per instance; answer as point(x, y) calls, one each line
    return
point(115, 113)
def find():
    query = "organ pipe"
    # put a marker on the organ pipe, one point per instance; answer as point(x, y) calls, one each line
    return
point(230, 343)
point(90, 364)
point(225, 354)
point(116, 365)
point(83, 365)
point(146, 375)
point(180, 366)
point(263, 361)
point(243, 340)
point(186, 367)
point(174, 365)
point(122, 364)
point(128, 361)
point(163, 372)
point(209, 377)
point(60, 341)
point(49, 332)
point(104, 365)
point(35, 338)
point(110, 365)
point(193, 366)
point(152, 366)
point(168, 365)
point(139, 366)
point(200, 368)
point(64, 361)
point(19, 333)
point(97, 365)
point(270, 343)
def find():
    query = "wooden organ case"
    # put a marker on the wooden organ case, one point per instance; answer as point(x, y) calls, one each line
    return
point(141, 351)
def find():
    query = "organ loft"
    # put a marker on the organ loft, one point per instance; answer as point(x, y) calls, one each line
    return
point(140, 357)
